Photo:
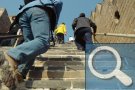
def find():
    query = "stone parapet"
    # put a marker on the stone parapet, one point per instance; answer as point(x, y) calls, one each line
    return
point(4, 21)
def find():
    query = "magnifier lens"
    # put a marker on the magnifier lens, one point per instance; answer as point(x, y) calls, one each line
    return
point(104, 62)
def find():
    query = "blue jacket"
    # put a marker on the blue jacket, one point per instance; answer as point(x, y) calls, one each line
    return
point(57, 4)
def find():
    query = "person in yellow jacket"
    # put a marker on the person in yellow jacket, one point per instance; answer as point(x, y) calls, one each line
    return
point(60, 31)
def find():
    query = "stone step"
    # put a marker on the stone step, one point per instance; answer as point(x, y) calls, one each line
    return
point(55, 47)
point(56, 67)
point(68, 65)
point(57, 84)
point(55, 75)
point(57, 61)
point(63, 47)
point(60, 49)
point(50, 50)
point(64, 51)
point(68, 48)
point(66, 45)
point(44, 57)
point(69, 45)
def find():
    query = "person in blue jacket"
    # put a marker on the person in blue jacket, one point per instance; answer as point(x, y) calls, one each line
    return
point(36, 18)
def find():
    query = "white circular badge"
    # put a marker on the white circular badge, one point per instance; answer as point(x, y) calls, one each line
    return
point(125, 79)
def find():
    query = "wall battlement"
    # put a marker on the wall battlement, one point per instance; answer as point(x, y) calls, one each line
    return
point(4, 21)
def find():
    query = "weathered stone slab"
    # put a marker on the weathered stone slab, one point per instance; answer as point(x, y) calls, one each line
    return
point(4, 21)
point(48, 84)
point(56, 74)
point(68, 65)
point(79, 84)
point(57, 84)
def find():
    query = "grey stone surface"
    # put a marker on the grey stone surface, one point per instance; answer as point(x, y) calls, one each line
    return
point(4, 21)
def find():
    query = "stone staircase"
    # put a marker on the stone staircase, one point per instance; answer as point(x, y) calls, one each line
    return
point(61, 68)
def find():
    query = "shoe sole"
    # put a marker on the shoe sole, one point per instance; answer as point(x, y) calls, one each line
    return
point(7, 73)
point(7, 76)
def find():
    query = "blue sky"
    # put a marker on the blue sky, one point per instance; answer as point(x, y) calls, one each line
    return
point(71, 9)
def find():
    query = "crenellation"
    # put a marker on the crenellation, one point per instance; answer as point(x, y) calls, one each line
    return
point(98, 8)
point(4, 21)
point(93, 15)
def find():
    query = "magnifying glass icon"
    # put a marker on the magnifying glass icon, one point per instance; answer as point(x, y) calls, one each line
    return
point(121, 76)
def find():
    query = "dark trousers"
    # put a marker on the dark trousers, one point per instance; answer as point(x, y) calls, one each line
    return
point(83, 36)
point(60, 38)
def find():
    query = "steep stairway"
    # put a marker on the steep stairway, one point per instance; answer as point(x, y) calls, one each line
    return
point(61, 68)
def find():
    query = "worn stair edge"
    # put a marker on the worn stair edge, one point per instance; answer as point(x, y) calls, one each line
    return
point(50, 50)
point(65, 50)
point(64, 47)
point(67, 68)
point(55, 74)
point(55, 84)
point(50, 63)
point(63, 68)
point(63, 53)
point(63, 56)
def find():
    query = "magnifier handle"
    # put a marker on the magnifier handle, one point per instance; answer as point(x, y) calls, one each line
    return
point(124, 78)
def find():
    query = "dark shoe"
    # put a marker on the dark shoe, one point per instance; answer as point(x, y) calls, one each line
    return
point(11, 61)
point(14, 78)
point(8, 74)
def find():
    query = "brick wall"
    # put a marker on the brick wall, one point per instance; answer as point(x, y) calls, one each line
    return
point(117, 17)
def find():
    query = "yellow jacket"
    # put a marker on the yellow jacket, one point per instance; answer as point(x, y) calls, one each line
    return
point(60, 29)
